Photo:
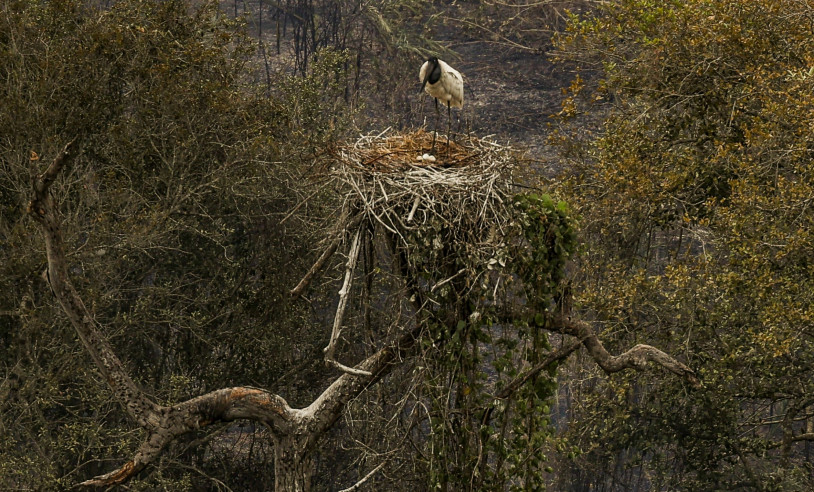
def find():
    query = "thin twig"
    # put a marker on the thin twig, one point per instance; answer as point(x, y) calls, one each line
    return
point(350, 370)
point(364, 479)
point(329, 251)
point(415, 206)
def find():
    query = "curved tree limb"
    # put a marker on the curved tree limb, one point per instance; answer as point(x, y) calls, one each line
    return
point(255, 404)
point(43, 209)
point(164, 424)
point(223, 405)
point(634, 358)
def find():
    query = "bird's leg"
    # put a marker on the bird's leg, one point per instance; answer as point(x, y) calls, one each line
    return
point(435, 129)
point(449, 126)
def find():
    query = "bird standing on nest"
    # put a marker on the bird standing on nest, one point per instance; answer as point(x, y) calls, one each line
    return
point(443, 83)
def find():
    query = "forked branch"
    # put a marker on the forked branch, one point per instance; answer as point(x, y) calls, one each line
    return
point(166, 423)
point(223, 405)
point(163, 424)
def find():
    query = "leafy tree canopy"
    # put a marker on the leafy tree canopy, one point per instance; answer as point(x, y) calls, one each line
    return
point(696, 199)
point(185, 167)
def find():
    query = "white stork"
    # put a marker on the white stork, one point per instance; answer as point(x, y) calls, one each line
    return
point(443, 83)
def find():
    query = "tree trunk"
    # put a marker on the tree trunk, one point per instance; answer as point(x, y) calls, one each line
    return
point(293, 463)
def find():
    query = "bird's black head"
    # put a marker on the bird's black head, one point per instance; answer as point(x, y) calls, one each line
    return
point(433, 74)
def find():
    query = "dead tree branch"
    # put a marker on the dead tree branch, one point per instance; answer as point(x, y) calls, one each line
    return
point(364, 479)
point(323, 258)
point(344, 293)
point(634, 358)
point(223, 405)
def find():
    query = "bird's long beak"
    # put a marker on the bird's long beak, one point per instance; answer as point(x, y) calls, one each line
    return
point(424, 84)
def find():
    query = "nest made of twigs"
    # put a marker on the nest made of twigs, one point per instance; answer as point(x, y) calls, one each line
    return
point(467, 192)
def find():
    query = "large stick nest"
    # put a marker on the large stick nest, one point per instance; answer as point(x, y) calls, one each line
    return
point(462, 196)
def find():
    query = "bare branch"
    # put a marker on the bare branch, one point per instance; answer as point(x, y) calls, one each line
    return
point(223, 405)
point(163, 424)
point(306, 280)
point(808, 436)
point(556, 356)
point(44, 210)
point(344, 293)
point(364, 479)
point(328, 406)
point(415, 207)
point(43, 181)
point(146, 453)
point(349, 370)
point(324, 257)
point(635, 358)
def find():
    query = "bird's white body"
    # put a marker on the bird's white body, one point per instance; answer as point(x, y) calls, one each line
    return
point(449, 89)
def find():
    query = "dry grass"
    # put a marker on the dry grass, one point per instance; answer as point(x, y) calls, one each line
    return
point(401, 151)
